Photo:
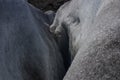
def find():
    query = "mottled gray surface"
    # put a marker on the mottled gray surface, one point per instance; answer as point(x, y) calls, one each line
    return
point(93, 27)
point(27, 49)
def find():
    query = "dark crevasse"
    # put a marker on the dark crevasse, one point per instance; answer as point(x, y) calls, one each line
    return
point(47, 4)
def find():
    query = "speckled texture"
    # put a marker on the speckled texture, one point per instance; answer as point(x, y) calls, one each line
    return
point(94, 34)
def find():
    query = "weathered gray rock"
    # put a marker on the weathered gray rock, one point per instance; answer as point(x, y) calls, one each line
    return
point(27, 49)
point(93, 27)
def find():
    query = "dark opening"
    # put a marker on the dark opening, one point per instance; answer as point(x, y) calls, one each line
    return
point(46, 5)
